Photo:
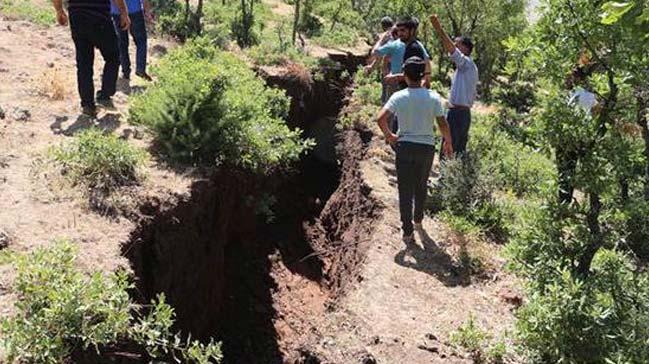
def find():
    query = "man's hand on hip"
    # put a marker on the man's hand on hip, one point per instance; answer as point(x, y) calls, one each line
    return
point(124, 21)
point(61, 18)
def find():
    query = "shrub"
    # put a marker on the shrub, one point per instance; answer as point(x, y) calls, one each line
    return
point(24, 9)
point(339, 36)
point(209, 108)
point(466, 189)
point(600, 320)
point(99, 161)
point(469, 336)
point(515, 166)
point(61, 310)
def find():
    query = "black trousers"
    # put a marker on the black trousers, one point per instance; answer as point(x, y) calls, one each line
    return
point(459, 121)
point(91, 30)
point(413, 162)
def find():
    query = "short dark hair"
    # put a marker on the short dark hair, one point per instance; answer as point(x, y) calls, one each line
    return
point(414, 68)
point(467, 42)
point(387, 22)
point(408, 22)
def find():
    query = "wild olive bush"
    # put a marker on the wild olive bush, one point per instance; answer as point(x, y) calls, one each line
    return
point(517, 167)
point(600, 320)
point(61, 310)
point(207, 107)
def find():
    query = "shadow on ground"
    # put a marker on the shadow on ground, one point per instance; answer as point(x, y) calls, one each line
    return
point(431, 259)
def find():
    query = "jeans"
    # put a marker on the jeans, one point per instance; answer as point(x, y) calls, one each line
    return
point(138, 31)
point(459, 121)
point(413, 162)
point(90, 31)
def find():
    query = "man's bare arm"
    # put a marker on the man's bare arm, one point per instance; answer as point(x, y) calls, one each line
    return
point(61, 16)
point(441, 34)
point(425, 82)
point(446, 134)
point(382, 120)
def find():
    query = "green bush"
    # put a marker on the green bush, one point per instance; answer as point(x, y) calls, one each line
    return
point(467, 189)
point(99, 161)
point(339, 36)
point(207, 107)
point(604, 319)
point(61, 310)
point(470, 336)
point(28, 10)
point(516, 166)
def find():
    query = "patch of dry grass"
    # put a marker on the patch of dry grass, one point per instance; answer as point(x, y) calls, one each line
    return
point(52, 84)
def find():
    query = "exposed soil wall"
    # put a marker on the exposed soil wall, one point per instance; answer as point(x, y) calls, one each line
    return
point(212, 254)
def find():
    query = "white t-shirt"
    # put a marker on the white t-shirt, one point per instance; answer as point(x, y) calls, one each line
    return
point(582, 98)
point(416, 110)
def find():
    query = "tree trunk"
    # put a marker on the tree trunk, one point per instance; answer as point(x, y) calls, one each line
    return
point(643, 121)
point(596, 238)
point(296, 19)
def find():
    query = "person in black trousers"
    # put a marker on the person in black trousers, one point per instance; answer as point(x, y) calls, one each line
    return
point(91, 27)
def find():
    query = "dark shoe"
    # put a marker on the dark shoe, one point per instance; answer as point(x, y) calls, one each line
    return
point(89, 111)
point(144, 75)
point(126, 76)
point(104, 100)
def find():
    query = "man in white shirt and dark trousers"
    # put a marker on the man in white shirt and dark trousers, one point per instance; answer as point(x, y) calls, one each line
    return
point(463, 86)
point(416, 107)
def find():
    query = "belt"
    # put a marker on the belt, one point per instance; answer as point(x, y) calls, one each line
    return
point(460, 107)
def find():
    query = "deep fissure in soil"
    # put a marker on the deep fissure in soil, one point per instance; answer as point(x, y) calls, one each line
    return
point(212, 254)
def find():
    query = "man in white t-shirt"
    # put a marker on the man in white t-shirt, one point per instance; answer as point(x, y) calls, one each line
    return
point(417, 108)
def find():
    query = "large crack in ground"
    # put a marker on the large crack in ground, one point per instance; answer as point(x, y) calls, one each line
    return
point(213, 256)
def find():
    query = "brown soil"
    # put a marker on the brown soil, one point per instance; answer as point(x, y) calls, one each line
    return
point(328, 281)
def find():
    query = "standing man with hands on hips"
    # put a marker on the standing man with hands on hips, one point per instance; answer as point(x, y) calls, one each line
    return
point(463, 86)
point(417, 108)
point(91, 27)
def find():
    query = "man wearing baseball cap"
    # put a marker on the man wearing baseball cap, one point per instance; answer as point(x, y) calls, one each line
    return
point(416, 108)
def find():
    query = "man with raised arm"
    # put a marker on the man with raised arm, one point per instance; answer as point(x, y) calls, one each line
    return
point(91, 27)
point(463, 86)
point(417, 108)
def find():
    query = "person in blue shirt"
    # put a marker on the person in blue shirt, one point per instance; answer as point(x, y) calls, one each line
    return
point(399, 50)
point(417, 108)
point(139, 11)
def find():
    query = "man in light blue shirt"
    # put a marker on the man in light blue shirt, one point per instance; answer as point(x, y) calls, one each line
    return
point(416, 107)
point(139, 11)
point(463, 86)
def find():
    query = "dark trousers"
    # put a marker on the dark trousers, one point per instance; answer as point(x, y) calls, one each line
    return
point(138, 32)
point(90, 31)
point(459, 121)
point(413, 162)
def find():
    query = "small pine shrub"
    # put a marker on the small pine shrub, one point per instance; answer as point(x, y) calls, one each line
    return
point(99, 161)
point(470, 336)
point(209, 108)
point(61, 310)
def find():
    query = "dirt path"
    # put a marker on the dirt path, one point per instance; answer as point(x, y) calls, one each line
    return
point(409, 299)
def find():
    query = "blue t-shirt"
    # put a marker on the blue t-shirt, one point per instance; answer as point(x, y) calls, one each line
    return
point(133, 6)
point(396, 50)
point(416, 110)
